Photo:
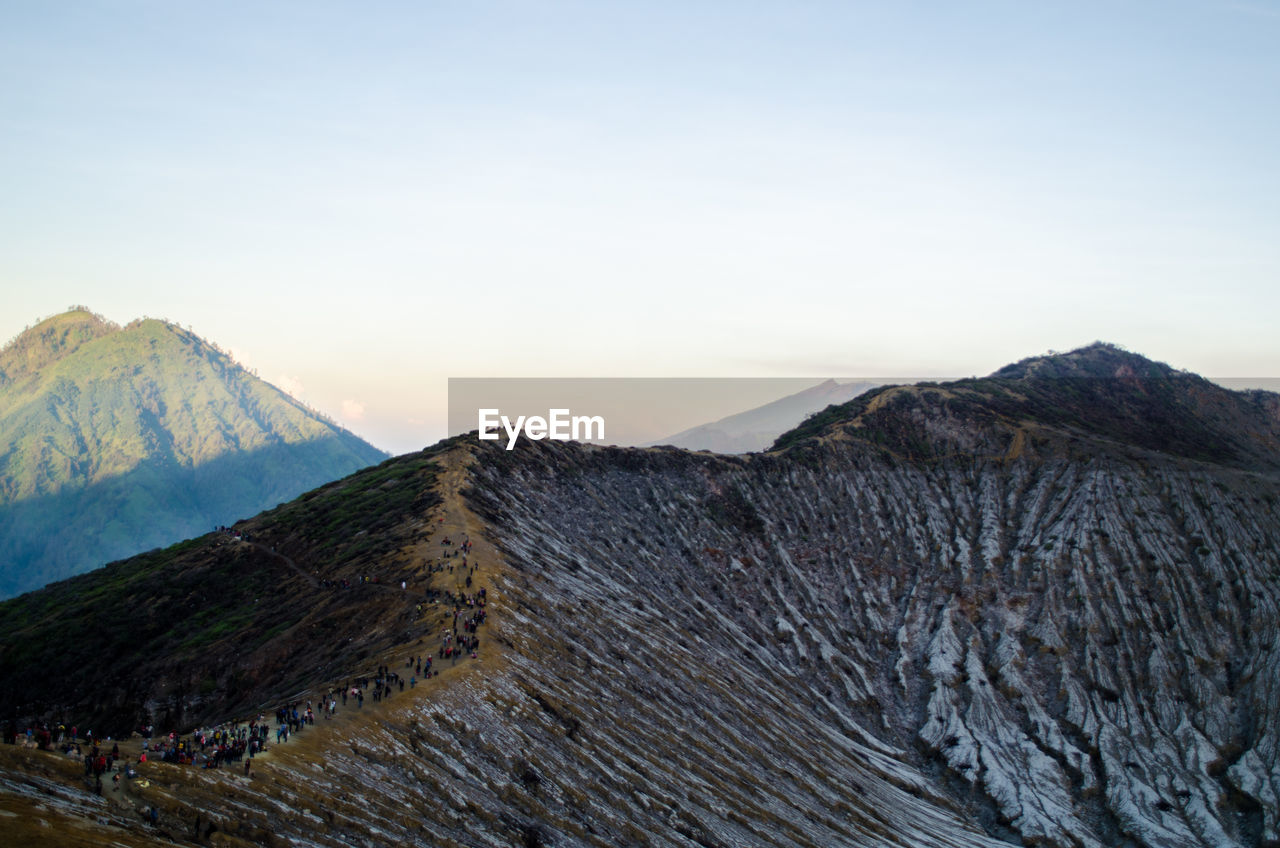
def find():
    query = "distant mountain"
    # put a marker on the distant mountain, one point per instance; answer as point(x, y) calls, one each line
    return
point(118, 440)
point(756, 429)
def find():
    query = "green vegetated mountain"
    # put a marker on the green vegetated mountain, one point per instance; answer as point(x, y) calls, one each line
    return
point(115, 440)
point(1041, 607)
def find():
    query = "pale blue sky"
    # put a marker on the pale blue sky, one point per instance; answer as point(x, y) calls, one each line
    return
point(369, 198)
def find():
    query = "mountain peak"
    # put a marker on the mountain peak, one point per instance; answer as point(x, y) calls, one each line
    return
point(1113, 397)
point(1100, 359)
point(50, 340)
point(118, 439)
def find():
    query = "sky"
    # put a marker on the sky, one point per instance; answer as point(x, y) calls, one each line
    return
point(364, 200)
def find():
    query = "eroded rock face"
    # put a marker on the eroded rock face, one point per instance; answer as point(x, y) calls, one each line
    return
point(1065, 651)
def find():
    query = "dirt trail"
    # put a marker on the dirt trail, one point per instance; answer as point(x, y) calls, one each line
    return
point(310, 578)
point(454, 521)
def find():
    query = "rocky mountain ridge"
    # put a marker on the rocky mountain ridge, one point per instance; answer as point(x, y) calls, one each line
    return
point(948, 615)
point(1100, 393)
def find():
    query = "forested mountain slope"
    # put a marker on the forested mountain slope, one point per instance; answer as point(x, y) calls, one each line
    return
point(118, 440)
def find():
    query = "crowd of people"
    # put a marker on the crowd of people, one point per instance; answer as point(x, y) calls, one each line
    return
point(231, 743)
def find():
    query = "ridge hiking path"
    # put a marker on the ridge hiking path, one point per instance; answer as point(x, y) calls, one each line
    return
point(176, 790)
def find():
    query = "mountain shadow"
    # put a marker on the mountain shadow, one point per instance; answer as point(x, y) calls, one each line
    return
point(52, 537)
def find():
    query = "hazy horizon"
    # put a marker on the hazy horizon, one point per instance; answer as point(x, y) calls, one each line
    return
point(360, 203)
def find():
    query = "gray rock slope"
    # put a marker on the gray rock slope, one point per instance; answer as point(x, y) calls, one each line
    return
point(1074, 652)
